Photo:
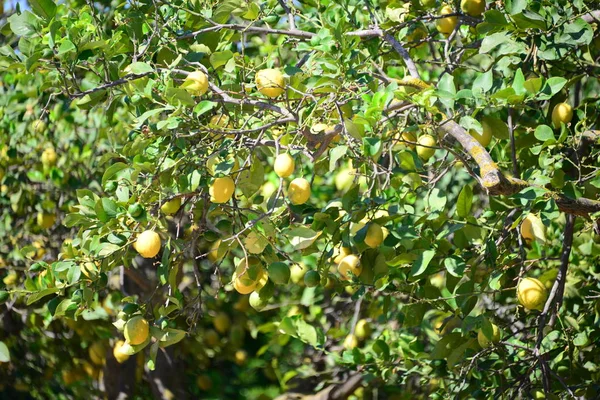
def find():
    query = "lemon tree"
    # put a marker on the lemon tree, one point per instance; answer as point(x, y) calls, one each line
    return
point(252, 199)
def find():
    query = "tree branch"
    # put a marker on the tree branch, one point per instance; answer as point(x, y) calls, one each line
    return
point(248, 28)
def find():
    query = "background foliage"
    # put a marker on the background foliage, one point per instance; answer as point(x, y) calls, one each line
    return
point(99, 85)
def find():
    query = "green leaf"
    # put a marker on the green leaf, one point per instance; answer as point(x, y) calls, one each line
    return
point(436, 200)
point(112, 171)
point(138, 68)
point(544, 133)
point(446, 84)
point(464, 202)
point(421, 263)
point(483, 82)
point(43, 8)
point(220, 58)
point(66, 46)
point(455, 266)
point(4, 353)
point(26, 24)
point(499, 127)
point(413, 314)
point(41, 294)
point(551, 87)
point(335, 154)
point(529, 20)
point(301, 237)
point(250, 180)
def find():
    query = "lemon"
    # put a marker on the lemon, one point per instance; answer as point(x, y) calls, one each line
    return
point(473, 7)
point(374, 236)
point(279, 273)
point(562, 113)
point(426, 152)
point(531, 293)
point(485, 137)
point(299, 191)
point(204, 382)
point(196, 83)
point(350, 263)
point(211, 338)
point(297, 272)
point(240, 357)
point(222, 190)
point(484, 341)
point(220, 121)
point(312, 278)
point(213, 254)
point(97, 353)
point(446, 25)
point(339, 252)
point(257, 301)
point(362, 329)
point(221, 322)
point(49, 157)
point(344, 179)
point(284, 165)
point(350, 342)
point(532, 229)
point(171, 206)
point(270, 82)
point(148, 244)
point(406, 137)
point(45, 220)
point(136, 330)
point(119, 355)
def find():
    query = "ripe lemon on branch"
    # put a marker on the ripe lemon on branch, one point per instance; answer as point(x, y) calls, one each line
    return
point(270, 82)
point(222, 190)
point(299, 191)
point(484, 341)
point(532, 293)
point(446, 25)
point(350, 263)
point(196, 83)
point(148, 244)
point(562, 113)
point(171, 206)
point(136, 330)
point(284, 165)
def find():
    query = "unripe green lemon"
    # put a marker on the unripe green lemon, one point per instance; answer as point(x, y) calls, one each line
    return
point(135, 210)
point(312, 278)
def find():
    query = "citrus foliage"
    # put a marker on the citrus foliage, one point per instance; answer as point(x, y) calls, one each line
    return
point(274, 195)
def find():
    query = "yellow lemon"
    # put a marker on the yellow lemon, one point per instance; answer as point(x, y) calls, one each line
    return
point(284, 165)
point(446, 25)
point(222, 190)
point(473, 7)
point(220, 121)
point(119, 355)
point(171, 206)
point(136, 330)
point(221, 322)
point(203, 382)
point(299, 191)
point(531, 293)
point(484, 341)
point(426, 152)
point(350, 263)
point(196, 83)
point(97, 353)
point(350, 342)
point(270, 82)
point(362, 329)
point(562, 113)
point(255, 243)
point(49, 157)
point(532, 229)
point(148, 244)
point(485, 137)
point(45, 220)
point(240, 357)
point(339, 253)
point(374, 236)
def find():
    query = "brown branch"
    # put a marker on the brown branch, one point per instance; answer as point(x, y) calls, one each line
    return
point(247, 28)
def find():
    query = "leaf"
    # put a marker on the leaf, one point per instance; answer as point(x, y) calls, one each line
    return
point(422, 262)
point(499, 127)
point(220, 58)
point(309, 334)
point(413, 314)
point(492, 41)
point(518, 82)
point(112, 171)
point(65, 46)
point(251, 179)
point(544, 133)
point(4, 353)
point(43, 8)
point(446, 84)
point(484, 82)
point(138, 68)
point(471, 123)
point(464, 202)
point(65, 306)
point(41, 294)
point(301, 237)
point(436, 200)
point(551, 87)
point(455, 266)
point(335, 154)
point(26, 24)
